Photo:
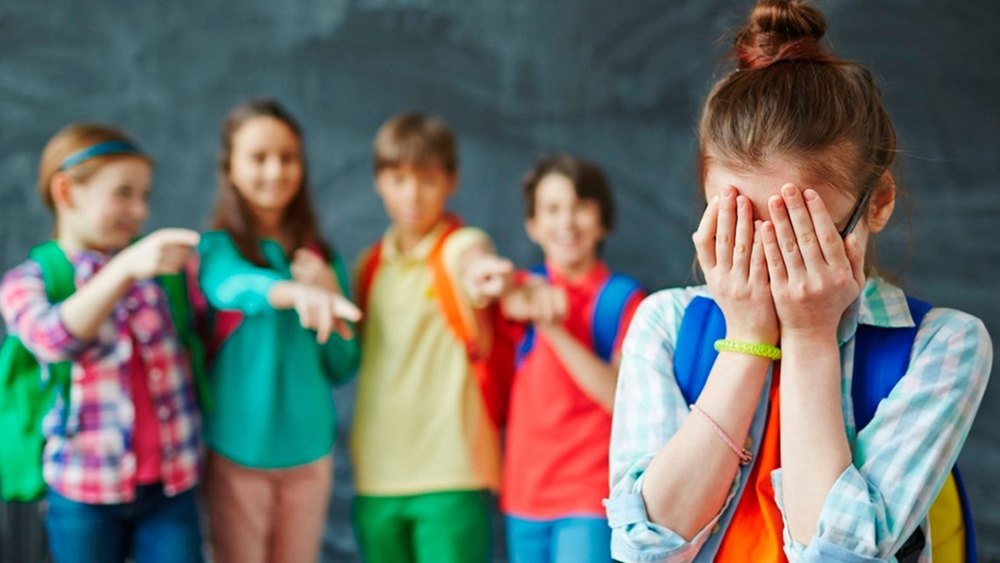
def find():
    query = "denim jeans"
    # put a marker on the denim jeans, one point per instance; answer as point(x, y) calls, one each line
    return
point(578, 539)
point(154, 528)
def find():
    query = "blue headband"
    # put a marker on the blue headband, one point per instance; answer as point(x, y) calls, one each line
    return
point(100, 149)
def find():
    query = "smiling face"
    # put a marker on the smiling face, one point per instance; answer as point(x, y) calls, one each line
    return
point(265, 166)
point(106, 211)
point(566, 227)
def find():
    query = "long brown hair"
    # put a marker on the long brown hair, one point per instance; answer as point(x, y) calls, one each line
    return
point(232, 214)
point(791, 97)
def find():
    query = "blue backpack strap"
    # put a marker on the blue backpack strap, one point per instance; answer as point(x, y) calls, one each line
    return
point(881, 357)
point(611, 301)
point(694, 351)
point(970, 531)
point(528, 340)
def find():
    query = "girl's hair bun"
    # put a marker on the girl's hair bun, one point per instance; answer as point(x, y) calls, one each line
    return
point(781, 31)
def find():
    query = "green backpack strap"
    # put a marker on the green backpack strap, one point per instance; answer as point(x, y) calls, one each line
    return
point(175, 286)
point(58, 276)
point(24, 398)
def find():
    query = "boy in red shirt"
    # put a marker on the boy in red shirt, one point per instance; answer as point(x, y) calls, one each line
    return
point(556, 457)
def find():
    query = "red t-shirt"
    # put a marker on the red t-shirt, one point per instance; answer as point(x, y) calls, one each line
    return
point(146, 427)
point(556, 451)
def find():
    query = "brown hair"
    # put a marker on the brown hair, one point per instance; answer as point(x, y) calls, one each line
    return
point(587, 178)
point(232, 214)
point(74, 138)
point(415, 139)
point(790, 97)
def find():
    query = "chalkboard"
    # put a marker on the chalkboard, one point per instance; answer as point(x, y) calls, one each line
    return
point(618, 82)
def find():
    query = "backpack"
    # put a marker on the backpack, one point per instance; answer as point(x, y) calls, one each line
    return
point(616, 293)
point(493, 368)
point(25, 399)
point(881, 358)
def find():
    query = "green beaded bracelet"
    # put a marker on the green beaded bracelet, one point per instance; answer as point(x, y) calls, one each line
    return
point(751, 348)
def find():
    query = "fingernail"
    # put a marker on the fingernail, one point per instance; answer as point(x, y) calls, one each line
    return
point(789, 190)
point(810, 194)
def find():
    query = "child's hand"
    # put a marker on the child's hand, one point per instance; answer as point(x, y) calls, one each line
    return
point(735, 271)
point(309, 268)
point(165, 251)
point(487, 277)
point(535, 301)
point(814, 274)
point(324, 311)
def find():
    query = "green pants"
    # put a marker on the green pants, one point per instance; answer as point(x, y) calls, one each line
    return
point(447, 527)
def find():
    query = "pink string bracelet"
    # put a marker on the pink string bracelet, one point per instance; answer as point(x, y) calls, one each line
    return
point(742, 453)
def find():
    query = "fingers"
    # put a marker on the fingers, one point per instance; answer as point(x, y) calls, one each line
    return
point(341, 308)
point(704, 236)
point(781, 226)
point(326, 313)
point(491, 275)
point(560, 304)
point(552, 305)
point(172, 259)
point(802, 224)
point(856, 255)
point(304, 312)
point(725, 231)
point(830, 243)
point(324, 325)
point(776, 271)
point(758, 263)
point(180, 237)
point(743, 243)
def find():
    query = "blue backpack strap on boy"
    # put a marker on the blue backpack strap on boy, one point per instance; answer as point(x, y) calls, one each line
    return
point(612, 298)
point(881, 358)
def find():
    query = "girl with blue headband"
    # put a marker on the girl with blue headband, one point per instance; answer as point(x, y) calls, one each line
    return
point(122, 438)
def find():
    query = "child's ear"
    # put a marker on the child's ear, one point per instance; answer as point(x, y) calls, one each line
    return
point(883, 203)
point(60, 188)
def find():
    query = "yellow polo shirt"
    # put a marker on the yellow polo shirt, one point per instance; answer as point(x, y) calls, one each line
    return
point(420, 423)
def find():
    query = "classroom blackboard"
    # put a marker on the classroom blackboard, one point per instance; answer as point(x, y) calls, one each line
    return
point(618, 82)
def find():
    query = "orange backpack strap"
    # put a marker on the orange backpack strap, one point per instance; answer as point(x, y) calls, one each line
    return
point(477, 330)
point(456, 314)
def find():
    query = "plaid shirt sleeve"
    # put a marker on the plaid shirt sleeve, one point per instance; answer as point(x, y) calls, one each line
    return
point(649, 409)
point(903, 456)
point(37, 323)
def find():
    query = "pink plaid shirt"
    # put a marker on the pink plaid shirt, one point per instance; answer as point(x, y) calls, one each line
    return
point(90, 458)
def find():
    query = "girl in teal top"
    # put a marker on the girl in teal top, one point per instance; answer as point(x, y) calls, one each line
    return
point(276, 294)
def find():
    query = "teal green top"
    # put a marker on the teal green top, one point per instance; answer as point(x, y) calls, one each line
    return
point(270, 379)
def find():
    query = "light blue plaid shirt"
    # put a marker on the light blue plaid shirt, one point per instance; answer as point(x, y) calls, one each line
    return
point(901, 458)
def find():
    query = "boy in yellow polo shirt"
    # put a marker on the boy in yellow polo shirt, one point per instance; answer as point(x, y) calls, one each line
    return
point(424, 447)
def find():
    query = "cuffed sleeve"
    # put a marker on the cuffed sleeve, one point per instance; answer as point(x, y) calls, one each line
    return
point(903, 456)
point(36, 322)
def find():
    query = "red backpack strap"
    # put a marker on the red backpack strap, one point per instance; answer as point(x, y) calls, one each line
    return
point(366, 273)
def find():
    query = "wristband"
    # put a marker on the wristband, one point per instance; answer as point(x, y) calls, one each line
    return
point(750, 348)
